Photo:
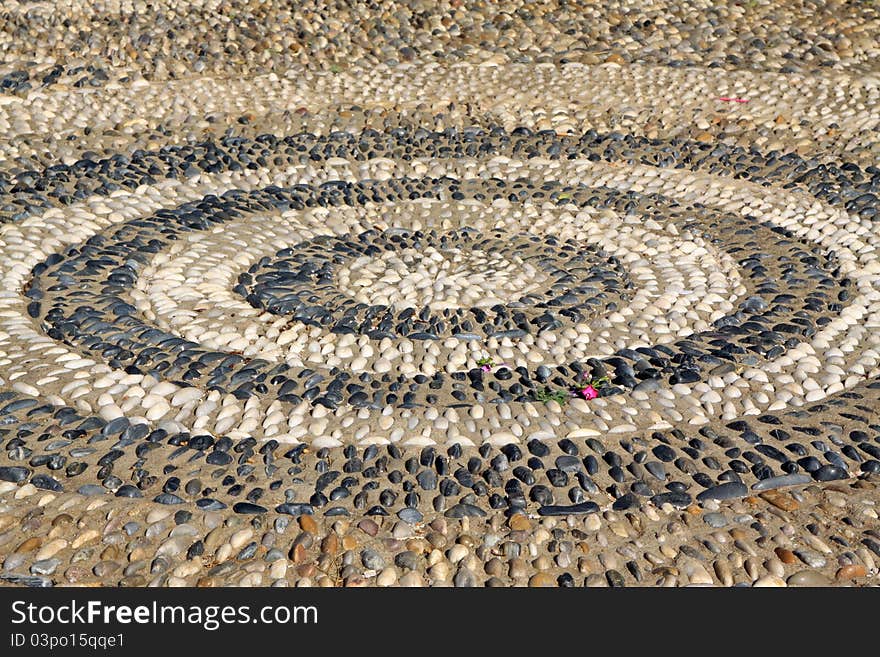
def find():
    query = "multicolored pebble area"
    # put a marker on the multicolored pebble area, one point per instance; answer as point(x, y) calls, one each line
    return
point(456, 293)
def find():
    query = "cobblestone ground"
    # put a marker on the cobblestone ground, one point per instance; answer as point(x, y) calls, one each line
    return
point(439, 293)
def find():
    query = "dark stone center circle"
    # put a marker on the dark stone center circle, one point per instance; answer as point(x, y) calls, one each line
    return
point(301, 282)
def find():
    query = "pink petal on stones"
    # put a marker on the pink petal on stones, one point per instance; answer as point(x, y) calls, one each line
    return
point(589, 392)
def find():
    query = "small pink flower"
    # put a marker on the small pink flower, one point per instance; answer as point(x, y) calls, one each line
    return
point(589, 392)
point(486, 368)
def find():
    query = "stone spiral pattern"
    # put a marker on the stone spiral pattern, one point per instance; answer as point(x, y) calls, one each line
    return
point(293, 321)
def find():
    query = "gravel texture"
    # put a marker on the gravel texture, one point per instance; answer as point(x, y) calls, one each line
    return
point(439, 294)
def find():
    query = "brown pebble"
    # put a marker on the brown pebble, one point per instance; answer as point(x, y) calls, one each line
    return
point(137, 554)
point(298, 554)
point(206, 582)
point(785, 556)
point(780, 500)
point(542, 580)
point(517, 568)
point(851, 572)
point(518, 522)
point(308, 524)
point(330, 544)
point(307, 570)
point(349, 542)
point(29, 544)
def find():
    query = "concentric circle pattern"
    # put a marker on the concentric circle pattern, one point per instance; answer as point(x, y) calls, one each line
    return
point(542, 310)
point(428, 286)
